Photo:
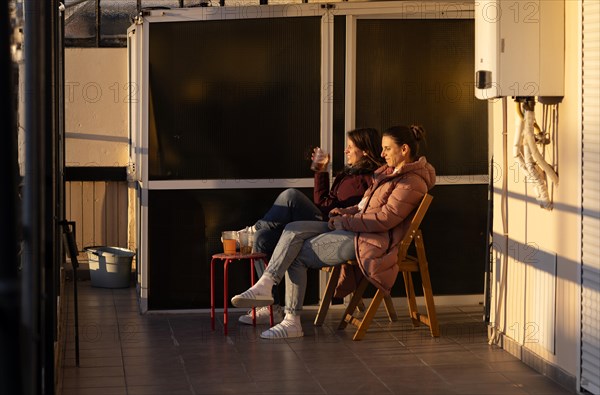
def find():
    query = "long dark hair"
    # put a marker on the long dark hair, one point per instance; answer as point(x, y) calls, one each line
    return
point(410, 135)
point(369, 141)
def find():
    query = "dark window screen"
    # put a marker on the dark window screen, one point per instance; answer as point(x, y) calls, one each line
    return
point(339, 91)
point(234, 99)
point(421, 71)
point(184, 231)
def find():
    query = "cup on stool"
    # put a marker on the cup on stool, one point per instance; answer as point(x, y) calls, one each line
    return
point(229, 238)
point(246, 239)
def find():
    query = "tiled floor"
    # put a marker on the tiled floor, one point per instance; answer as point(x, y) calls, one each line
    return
point(123, 352)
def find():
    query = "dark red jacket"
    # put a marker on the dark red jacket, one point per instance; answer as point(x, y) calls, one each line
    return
point(346, 191)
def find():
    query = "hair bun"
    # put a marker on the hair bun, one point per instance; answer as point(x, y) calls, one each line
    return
point(417, 131)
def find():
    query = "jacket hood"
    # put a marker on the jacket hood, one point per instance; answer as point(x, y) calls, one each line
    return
point(420, 167)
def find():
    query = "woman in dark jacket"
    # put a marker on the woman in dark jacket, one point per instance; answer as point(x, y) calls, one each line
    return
point(362, 159)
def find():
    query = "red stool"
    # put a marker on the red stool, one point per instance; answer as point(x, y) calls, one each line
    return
point(227, 259)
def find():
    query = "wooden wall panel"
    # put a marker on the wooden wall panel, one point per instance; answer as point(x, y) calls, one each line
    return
point(87, 218)
point(112, 213)
point(100, 212)
point(98, 227)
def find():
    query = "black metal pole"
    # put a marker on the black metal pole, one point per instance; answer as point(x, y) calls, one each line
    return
point(34, 215)
point(69, 232)
point(52, 232)
point(10, 335)
point(75, 264)
point(60, 141)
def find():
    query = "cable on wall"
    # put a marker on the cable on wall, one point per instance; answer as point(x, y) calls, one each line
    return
point(527, 154)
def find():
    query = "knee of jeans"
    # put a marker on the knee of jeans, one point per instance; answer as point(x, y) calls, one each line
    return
point(294, 227)
point(289, 194)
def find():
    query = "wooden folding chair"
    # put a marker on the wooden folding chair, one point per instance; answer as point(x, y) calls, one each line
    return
point(407, 265)
point(334, 275)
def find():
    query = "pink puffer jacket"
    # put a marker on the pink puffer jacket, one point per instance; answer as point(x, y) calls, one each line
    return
point(391, 203)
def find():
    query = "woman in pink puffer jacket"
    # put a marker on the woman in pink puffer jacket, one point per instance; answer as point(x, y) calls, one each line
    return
point(382, 218)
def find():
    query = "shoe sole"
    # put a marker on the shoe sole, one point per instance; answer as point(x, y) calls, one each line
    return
point(247, 319)
point(296, 335)
point(257, 322)
point(254, 302)
point(262, 322)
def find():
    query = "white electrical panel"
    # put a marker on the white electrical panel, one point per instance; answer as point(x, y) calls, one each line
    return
point(519, 48)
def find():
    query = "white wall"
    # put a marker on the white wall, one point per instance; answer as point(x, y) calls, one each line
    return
point(96, 95)
point(538, 313)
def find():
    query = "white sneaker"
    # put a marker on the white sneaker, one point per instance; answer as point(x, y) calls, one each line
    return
point(262, 316)
point(250, 229)
point(284, 330)
point(250, 298)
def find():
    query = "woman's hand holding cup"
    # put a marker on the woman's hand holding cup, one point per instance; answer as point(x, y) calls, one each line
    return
point(320, 160)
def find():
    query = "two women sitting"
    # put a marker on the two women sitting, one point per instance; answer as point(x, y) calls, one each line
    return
point(368, 232)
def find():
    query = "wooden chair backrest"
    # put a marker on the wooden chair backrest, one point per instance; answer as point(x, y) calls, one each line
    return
point(414, 226)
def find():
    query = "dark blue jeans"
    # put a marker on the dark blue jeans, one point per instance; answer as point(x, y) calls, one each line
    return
point(291, 205)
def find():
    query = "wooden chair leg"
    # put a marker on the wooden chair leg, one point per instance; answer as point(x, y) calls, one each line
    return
point(389, 307)
point(431, 319)
point(356, 299)
point(430, 306)
point(368, 317)
point(328, 295)
point(361, 306)
point(411, 298)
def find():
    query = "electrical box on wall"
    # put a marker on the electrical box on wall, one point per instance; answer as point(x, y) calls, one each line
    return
point(519, 48)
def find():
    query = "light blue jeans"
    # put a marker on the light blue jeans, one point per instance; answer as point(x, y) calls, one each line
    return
point(291, 205)
point(303, 245)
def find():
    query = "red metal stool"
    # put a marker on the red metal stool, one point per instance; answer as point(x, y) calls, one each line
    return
point(227, 259)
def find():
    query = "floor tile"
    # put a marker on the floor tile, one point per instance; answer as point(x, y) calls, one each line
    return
point(125, 352)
